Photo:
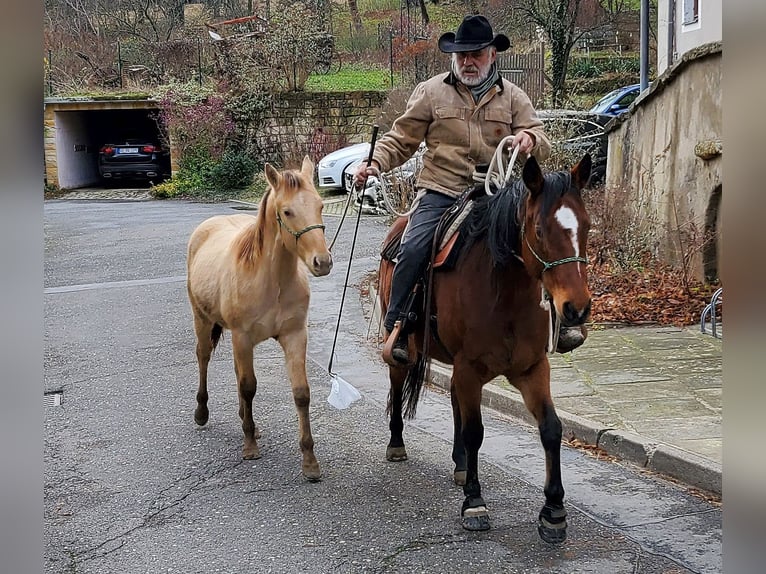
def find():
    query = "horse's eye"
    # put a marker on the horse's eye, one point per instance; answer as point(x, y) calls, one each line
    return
point(287, 213)
point(539, 231)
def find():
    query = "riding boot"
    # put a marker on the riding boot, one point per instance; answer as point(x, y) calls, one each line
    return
point(396, 351)
point(570, 338)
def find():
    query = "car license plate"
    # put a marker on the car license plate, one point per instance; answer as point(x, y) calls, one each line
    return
point(128, 150)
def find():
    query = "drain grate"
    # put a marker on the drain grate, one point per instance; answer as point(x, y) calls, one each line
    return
point(52, 399)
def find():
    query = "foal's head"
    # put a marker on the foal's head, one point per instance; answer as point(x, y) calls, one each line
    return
point(298, 209)
point(555, 236)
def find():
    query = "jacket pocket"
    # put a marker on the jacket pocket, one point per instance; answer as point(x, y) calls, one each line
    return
point(502, 116)
point(448, 113)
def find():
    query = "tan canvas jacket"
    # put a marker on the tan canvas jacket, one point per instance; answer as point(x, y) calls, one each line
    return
point(459, 133)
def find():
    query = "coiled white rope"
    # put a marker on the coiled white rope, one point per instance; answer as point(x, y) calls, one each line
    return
point(498, 174)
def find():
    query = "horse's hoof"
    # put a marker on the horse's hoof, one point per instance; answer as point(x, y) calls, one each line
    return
point(201, 416)
point(460, 477)
point(396, 453)
point(552, 535)
point(476, 518)
point(552, 526)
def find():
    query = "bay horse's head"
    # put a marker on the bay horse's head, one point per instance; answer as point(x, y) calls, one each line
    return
point(298, 208)
point(554, 237)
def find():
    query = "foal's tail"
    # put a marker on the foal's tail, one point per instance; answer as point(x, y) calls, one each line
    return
point(413, 385)
point(215, 334)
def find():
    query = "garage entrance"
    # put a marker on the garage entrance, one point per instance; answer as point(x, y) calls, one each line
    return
point(75, 130)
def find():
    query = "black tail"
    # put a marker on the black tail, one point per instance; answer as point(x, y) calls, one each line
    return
point(413, 385)
point(215, 334)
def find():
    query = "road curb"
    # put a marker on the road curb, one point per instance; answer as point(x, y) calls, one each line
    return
point(677, 464)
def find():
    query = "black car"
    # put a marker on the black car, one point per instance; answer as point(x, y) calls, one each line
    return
point(132, 159)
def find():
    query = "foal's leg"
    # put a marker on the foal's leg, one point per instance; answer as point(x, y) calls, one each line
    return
point(203, 330)
point(294, 346)
point(466, 390)
point(535, 389)
point(246, 384)
point(396, 451)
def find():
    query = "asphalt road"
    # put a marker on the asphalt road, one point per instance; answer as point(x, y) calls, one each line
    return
point(132, 485)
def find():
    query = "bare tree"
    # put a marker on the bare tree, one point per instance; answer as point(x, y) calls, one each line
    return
point(558, 21)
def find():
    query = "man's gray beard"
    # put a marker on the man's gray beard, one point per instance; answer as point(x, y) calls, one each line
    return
point(470, 82)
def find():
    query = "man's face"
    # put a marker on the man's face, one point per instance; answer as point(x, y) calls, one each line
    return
point(472, 68)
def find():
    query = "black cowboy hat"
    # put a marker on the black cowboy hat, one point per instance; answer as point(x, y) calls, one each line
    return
point(474, 33)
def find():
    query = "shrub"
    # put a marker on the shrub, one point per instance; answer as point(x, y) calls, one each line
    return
point(234, 171)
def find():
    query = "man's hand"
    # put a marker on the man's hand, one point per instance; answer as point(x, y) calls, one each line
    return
point(524, 142)
point(363, 171)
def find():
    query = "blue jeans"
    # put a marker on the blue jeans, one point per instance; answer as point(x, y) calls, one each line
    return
point(415, 252)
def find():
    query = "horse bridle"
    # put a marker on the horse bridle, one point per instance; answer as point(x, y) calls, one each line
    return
point(547, 265)
point(297, 234)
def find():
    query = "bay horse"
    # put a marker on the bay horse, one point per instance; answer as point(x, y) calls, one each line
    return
point(248, 274)
point(525, 245)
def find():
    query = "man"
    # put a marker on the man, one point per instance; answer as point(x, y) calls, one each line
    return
point(462, 116)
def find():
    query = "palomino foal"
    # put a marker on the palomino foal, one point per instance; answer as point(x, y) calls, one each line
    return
point(248, 274)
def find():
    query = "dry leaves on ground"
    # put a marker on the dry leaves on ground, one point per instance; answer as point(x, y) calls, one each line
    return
point(656, 295)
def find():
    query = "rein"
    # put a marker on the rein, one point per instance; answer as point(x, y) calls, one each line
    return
point(297, 234)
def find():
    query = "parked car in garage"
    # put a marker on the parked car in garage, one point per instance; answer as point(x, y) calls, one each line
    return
point(617, 101)
point(331, 167)
point(131, 159)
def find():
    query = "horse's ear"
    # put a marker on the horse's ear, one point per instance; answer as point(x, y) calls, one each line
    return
point(307, 168)
point(532, 175)
point(272, 176)
point(581, 172)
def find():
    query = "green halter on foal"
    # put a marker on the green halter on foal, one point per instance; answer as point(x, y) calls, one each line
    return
point(297, 234)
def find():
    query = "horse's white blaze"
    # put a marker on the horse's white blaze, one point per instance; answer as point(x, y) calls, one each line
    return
point(568, 220)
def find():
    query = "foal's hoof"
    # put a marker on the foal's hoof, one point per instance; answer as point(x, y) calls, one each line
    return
point(396, 453)
point(312, 473)
point(552, 526)
point(251, 453)
point(460, 477)
point(476, 518)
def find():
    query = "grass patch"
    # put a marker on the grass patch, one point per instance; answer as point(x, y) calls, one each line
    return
point(350, 79)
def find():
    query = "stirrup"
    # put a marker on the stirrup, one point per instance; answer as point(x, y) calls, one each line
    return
point(397, 351)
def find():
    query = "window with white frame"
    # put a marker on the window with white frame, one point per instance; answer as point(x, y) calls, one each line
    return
point(691, 11)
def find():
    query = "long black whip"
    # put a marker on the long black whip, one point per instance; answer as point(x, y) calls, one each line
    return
point(351, 255)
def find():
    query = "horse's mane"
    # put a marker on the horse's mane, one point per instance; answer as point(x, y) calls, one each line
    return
point(249, 243)
point(498, 217)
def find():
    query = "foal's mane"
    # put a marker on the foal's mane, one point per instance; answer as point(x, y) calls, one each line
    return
point(249, 243)
point(497, 218)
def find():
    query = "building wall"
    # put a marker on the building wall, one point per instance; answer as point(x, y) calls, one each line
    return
point(674, 38)
point(665, 159)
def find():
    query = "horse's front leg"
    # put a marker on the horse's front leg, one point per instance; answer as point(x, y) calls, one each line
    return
point(395, 451)
point(294, 347)
point(458, 447)
point(466, 389)
point(535, 389)
point(246, 385)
